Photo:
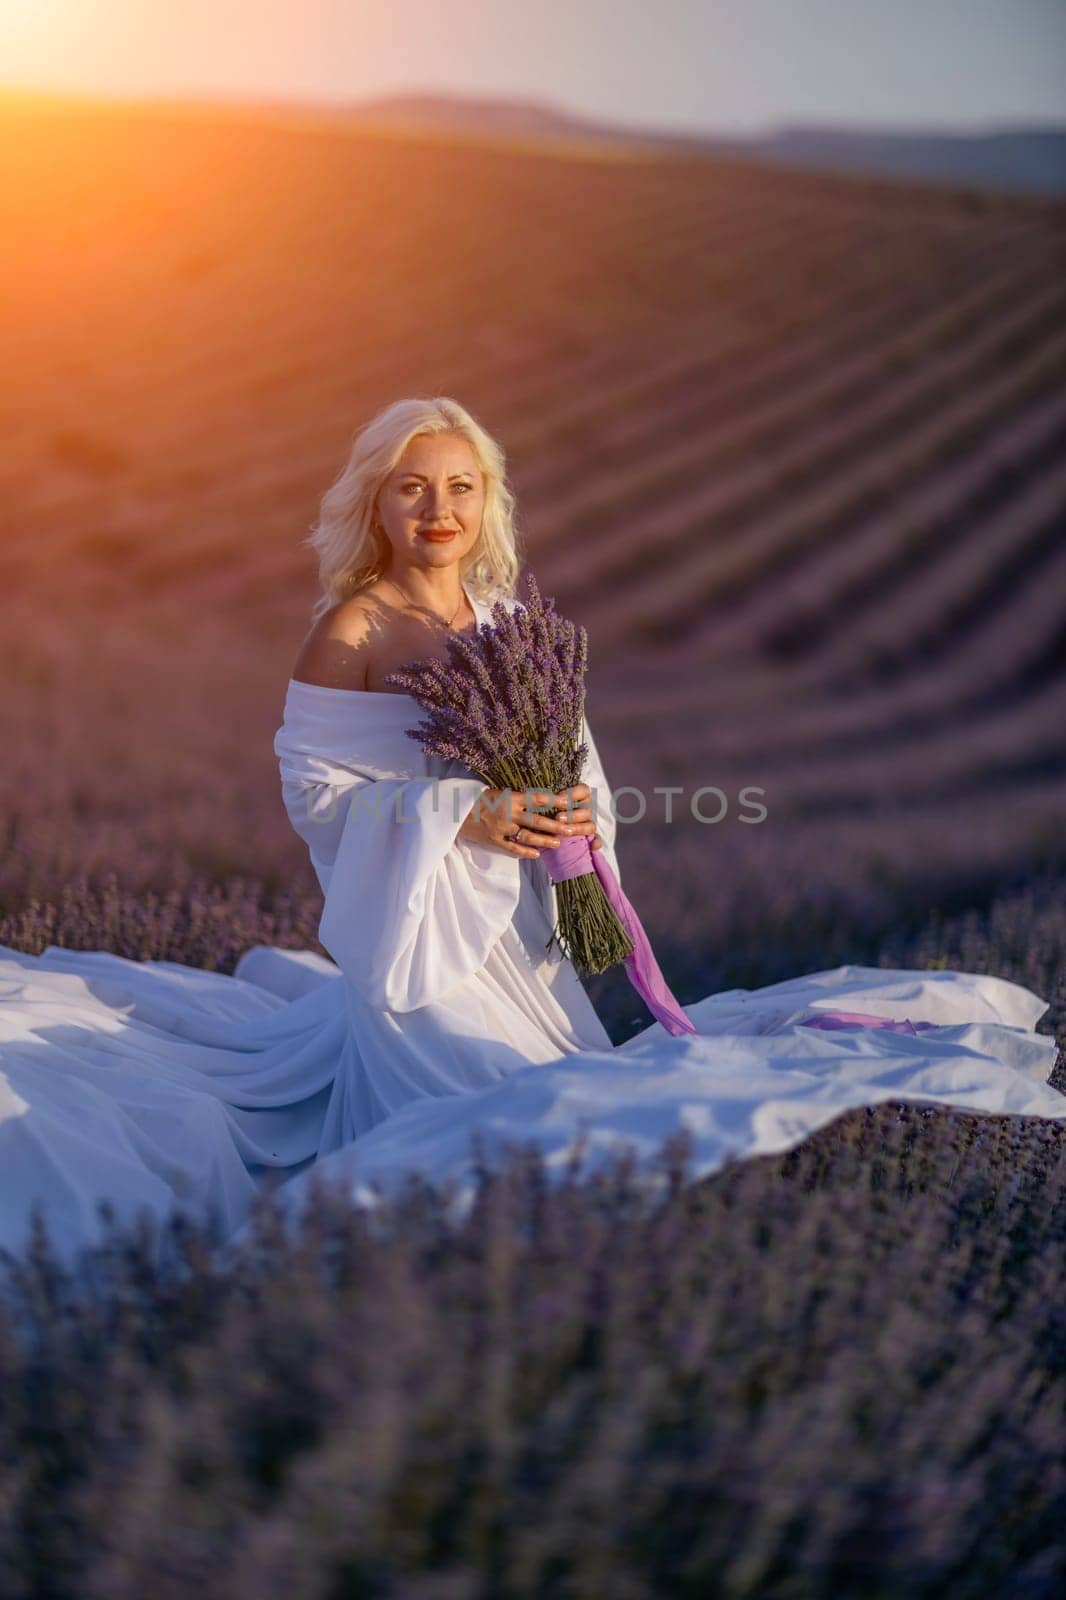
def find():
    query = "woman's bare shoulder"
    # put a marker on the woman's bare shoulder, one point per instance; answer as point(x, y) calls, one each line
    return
point(336, 652)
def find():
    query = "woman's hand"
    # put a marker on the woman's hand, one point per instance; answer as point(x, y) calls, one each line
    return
point(501, 818)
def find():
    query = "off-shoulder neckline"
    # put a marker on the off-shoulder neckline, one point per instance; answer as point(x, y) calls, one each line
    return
point(356, 694)
point(478, 607)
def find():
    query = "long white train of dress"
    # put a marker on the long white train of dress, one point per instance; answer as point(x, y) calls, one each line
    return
point(160, 1087)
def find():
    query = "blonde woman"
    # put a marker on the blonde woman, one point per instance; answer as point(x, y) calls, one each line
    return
point(438, 908)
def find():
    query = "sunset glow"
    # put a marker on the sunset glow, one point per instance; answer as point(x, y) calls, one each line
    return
point(687, 64)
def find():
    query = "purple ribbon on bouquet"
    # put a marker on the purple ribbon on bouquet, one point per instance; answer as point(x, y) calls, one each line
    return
point(572, 859)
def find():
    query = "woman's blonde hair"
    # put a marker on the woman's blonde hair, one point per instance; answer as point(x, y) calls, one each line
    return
point(351, 551)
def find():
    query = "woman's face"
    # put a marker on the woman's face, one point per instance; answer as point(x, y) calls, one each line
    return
point(436, 484)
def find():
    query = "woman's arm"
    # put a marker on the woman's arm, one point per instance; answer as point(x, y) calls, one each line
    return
point(412, 910)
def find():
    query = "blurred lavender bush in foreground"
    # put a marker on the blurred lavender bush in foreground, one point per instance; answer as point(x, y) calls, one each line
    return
point(835, 1372)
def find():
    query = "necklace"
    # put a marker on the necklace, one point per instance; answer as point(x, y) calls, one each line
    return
point(410, 602)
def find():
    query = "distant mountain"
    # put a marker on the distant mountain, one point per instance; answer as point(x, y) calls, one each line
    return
point(515, 117)
point(1030, 158)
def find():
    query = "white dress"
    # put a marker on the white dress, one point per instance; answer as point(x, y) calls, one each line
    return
point(159, 1087)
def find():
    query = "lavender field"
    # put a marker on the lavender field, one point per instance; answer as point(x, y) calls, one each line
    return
point(836, 1372)
point(791, 446)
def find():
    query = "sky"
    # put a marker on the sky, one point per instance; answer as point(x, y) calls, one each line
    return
point(710, 66)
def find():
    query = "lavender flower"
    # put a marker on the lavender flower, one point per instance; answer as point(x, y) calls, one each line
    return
point(509, 705)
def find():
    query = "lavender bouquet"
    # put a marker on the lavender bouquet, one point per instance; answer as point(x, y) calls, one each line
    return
point(510, 706)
